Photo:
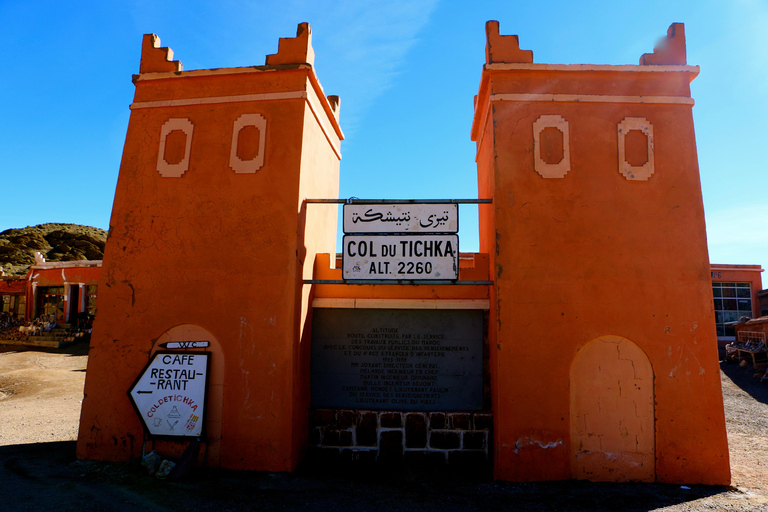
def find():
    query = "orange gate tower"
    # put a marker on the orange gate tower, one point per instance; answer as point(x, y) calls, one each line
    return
point(209, 240)
point(604, 360)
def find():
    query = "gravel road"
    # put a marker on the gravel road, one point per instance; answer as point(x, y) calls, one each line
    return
point(40, 396)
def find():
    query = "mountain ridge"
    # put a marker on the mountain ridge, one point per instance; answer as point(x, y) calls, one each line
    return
point(55, 241)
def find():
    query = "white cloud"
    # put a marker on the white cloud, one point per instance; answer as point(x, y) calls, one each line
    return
point(361, 48)
point(360, 45)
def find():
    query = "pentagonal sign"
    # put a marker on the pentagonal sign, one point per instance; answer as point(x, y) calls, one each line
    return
point(169, 395)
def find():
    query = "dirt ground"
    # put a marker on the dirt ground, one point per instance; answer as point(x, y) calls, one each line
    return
point(40, 396)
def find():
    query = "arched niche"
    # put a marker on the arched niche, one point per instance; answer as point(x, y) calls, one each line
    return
point(215, 396)
point(612, 412)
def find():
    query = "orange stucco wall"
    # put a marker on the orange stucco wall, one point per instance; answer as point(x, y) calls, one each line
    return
point(218, 247)
point(58, 276)
point(12, 286)
point(472, 267)
point(593, 253)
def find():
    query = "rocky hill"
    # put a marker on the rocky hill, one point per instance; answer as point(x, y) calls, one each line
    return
point(57, 242)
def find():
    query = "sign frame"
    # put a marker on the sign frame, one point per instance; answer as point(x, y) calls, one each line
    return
point(184, 345)
point(203, 414)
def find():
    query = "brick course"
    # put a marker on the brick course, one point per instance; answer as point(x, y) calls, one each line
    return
point(445, 440)
point(367, 429)
point(415, 430)
point(390, 420)
point(434, 438)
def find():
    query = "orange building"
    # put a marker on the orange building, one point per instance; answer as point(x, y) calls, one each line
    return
point(579, 342)
point(60, 288)
point(12, 296)
point(63, 289)
point(735, 290)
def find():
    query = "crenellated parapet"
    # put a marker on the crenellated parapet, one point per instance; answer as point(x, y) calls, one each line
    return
point(335, 103)
point(670, 50)
point(156, 59)
point(503, 49)
point(294, 61)
point(294, 50)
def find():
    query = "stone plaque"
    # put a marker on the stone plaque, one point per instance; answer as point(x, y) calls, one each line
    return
point(414, 360)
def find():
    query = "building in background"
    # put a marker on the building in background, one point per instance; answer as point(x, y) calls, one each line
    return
point(736, 291)
point(763, 301)
point(13, 296)
point(64, 289)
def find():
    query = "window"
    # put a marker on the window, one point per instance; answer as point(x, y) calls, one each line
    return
point(732, 301)
point(50, 301)
point(14, 304)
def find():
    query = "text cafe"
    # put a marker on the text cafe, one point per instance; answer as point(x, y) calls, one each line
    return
point(575, 344)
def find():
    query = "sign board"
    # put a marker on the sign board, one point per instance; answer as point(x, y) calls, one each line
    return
point(169, 394)
point(401, 218)
point(422, 360)
point(411, 257)
point(185, 344)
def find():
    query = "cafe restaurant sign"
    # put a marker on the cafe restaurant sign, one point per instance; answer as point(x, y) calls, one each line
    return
point(169, 394)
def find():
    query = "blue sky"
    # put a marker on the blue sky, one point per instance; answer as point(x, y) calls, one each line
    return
point(406, 73)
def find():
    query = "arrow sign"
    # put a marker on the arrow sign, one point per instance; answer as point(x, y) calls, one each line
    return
point(172, 389)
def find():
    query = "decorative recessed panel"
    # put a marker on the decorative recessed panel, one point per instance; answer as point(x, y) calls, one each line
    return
point(630, 150)
point(551, 147)
point(249, 132)
point(175, 145)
